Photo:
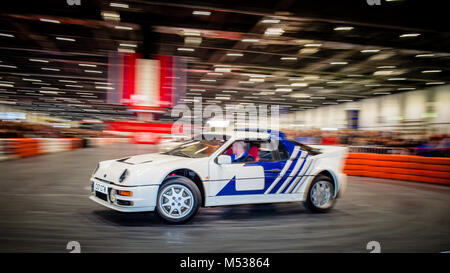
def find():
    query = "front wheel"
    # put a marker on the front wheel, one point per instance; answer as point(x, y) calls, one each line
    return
point(320, 195)
point(178, 200)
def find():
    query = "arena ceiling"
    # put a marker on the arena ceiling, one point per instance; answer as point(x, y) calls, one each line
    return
point(297, 54)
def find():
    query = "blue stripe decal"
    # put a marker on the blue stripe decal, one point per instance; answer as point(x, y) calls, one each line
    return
point(295, 176)
point(301, 180)
point(230, 187)
point(287, 174)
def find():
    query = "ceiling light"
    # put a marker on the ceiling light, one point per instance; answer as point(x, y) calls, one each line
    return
point(372, 85)
point(308, 50)
point(48, 92)
point(68, 81)
point(250, 40)
point(300, 95)
point(344, 100)
point(386, 66)
point(283, 90)
point(431, 71)
point(50, 88)
point(274, 31)
point(6, 35)
point(343, 28)
point(207, 80)
point(119, 5)
point(383, 72)
point(355, 75)
point(214, 74)
point(235, 54)
point(104, 87)
point(197, 90)
point(38, 60)
point(50, 69)
point(318, 98)
point(288, 58)
point(203, 13)
point(405, 88)
point(92, 71)
point(228, 91)
point(301, 84)
point(381, 93)
point(270, 21)
point(396, 79)
point(409, 35)
point(49, 20)
point(370, 51)
point(75, 86)
point(31, 80)
point(424, 55)
point(128, 45)
point(112, 16)
point(123, 28)
point(185, 49)
point(312, 45)
point(222, 69)
point(432, 83)
point(65, 39)
point(311, 77)
point(88, 65)
point(335, 82)
point(339, 63)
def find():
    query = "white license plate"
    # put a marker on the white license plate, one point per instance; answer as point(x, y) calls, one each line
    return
point(100, 188)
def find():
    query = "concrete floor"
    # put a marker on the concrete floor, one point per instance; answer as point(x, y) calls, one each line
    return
point(44, 204)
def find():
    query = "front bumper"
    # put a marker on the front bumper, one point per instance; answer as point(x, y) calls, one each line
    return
point(143, 198)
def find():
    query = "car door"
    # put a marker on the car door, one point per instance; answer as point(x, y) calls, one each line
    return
point(238, 178)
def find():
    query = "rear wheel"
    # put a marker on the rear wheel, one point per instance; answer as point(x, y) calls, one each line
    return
point(178, 200)
point(320, 194)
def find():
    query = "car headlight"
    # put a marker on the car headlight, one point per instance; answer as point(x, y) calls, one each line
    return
point(124, 175)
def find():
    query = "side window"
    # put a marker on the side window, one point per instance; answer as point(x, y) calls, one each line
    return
point(284, 153)
point(257, 150)
point(267, 152)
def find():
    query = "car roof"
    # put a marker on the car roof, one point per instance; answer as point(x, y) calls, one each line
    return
point(249, 134)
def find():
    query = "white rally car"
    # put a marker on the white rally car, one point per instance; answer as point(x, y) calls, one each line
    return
point(200, 173)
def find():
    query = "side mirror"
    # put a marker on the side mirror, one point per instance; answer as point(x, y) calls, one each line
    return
point(224, 159)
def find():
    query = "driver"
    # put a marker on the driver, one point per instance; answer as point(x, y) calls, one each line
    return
point(239, 153)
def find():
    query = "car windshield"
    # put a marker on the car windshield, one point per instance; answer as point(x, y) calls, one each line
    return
point(197, 148)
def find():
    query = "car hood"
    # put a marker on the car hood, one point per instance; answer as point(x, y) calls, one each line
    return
point(147, 158)
point(141, 167)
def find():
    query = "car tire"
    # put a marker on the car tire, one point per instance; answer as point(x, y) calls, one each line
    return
point(178, 200)
point(320, 198)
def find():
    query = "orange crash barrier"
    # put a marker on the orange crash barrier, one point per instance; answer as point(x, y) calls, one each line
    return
point(399, 167)
point(26, 147)
point(22, 147)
